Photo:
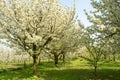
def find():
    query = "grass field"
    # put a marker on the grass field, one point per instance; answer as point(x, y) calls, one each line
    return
point(72, 70)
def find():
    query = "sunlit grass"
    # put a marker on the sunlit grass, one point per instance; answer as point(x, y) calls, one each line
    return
point(72, 70)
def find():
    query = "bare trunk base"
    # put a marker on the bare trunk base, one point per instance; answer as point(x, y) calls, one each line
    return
point(63, 58)
point(56, 60)
point(35, 64)
point(114, 58)
point(95, 71)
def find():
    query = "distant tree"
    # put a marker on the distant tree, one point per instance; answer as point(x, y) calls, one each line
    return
point(94, 45)
point(32, 24)
point(68, 42)
point(6, 55)
point(112, 47)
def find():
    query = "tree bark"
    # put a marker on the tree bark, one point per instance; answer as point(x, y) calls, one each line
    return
point(95, 68)
point(63, 58)
point(39, 60)
point(55, 59)
point(24, 63)
point(105, 57)
point(114, 58)
point(35, 64)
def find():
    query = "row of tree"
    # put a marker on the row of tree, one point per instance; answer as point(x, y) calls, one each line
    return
point(45, 26)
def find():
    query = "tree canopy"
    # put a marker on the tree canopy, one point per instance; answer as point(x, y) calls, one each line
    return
point(33, 24)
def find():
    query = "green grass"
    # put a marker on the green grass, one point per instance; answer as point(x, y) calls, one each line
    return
point(72, 70)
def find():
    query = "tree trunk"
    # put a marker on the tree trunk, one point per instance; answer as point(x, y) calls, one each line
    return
point(35, 64)
point(24, 63)
point(95, 68)
point(114, 58)
point(105, 57)
point(63, 58)
point(39, 60)
point(95, 71)
point(55, 59)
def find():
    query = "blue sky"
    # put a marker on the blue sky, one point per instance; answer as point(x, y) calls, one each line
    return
point(80, 6)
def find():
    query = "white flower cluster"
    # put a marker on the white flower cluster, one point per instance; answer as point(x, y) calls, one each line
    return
point(101, 28)
point(32, 39)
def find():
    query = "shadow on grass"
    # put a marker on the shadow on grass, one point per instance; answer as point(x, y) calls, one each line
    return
point(65, 74)
point(81, 74)
point(21, 72)
point(48, 71)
